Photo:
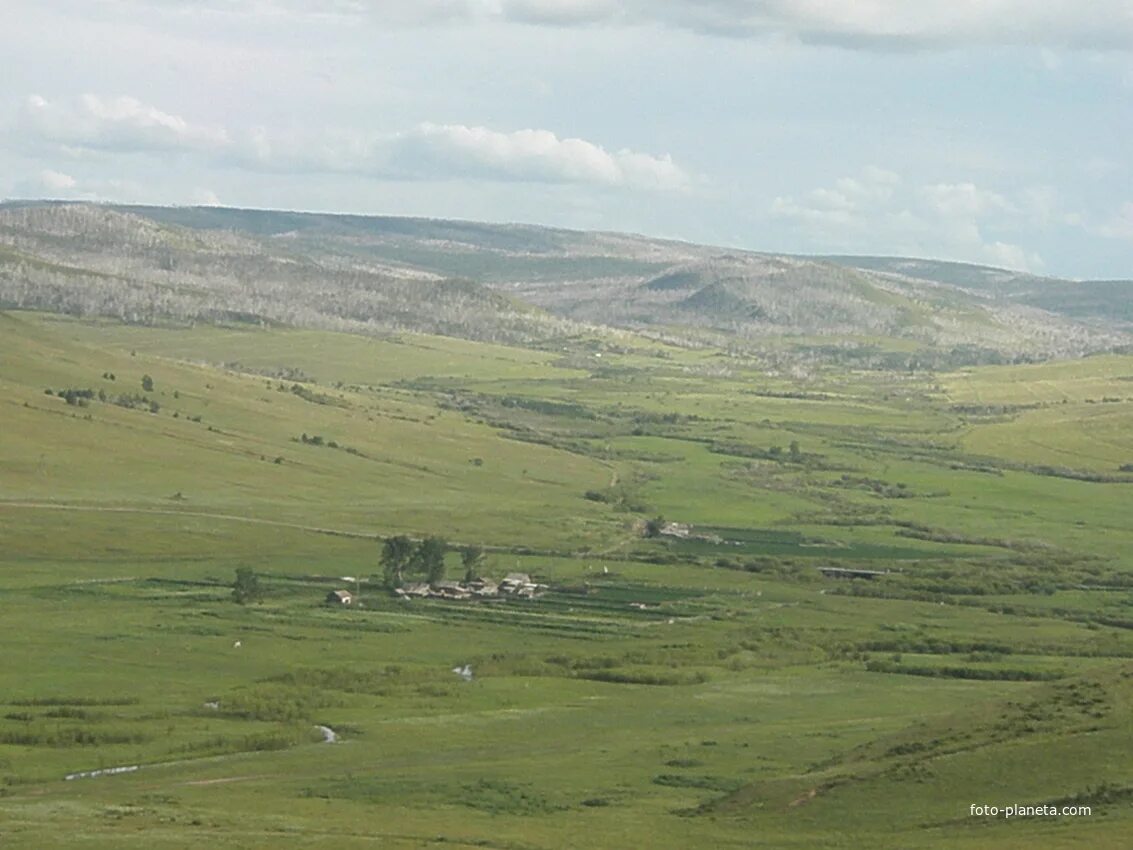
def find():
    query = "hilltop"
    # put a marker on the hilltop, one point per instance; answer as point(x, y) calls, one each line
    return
point(1109, 303)
point(526, 285)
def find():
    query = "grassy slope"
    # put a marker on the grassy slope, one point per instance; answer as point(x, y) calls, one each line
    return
point(225, 462)
point(1076, 413)
point(765, 697)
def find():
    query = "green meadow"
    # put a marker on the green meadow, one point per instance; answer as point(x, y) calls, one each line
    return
point(734, 687)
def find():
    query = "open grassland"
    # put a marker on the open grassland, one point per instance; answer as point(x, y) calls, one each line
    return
point(710, 691)
point(1069, 380)
point(229, 443)
point(1072, 415)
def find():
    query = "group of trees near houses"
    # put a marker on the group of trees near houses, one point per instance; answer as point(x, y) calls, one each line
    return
point(402, 558)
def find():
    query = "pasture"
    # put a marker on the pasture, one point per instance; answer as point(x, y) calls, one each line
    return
point(715, 690)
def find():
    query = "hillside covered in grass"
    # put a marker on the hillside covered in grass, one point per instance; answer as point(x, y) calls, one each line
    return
point(881, 596)
point(823, 551)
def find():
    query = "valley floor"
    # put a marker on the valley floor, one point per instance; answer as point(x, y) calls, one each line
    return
point(710, 690)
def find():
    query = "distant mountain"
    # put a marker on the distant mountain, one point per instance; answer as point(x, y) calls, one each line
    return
point(1107, 301)
point(96, 260)
point(753, 296)
point(484, 252)
point(526, 284)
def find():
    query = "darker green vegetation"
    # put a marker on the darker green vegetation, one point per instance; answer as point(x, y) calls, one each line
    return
point(82, 397)
point(980, 673)
point(402, 558)
point(246, 588)
point(472, 560)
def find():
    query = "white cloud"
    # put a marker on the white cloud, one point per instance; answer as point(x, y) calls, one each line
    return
point(437, 151)
point(535, 155)
point(55, 181)
point(428, 151)
point(931, 23)
point(1120, 225)
point(878, 211)
point(205, 197)
point(47, 183)
point(1009, 256)
point(963, 201)
point(560, 11)
point(58, 185)
point(117, 123)
point(865, 24)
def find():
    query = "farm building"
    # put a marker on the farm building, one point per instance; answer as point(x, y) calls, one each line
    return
point(676, 529)
point(340, 597)
point(451, 590)
point(482, 587)
point(516, 584)
point(520, 584)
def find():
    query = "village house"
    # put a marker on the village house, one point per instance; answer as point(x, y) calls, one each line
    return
point(676, 529)
point(451, 590)
point(512, 582)
point(481, 587)
point(520, 584)
point(418, 588)
point(340, 597)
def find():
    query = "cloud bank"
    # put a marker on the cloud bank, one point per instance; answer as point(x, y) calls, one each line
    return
point(965, 220)
point(117, 123)
point(854, 24)
point(426, 152)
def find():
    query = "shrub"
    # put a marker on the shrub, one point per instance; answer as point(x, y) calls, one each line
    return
point(708, 783)
point(978, 673)
point(246, 587)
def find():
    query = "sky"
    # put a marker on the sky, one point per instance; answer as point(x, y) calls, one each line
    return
point(985, 131)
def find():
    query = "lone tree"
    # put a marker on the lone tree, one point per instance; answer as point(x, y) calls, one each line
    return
point(653, 526)
point(396, 554)
point(246, 588)
point(430, 559)
point(147, 384)
point(471, 558)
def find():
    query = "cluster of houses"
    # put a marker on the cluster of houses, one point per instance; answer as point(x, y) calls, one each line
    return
point(518, 585)
point(513, 584)
point(683, 530)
